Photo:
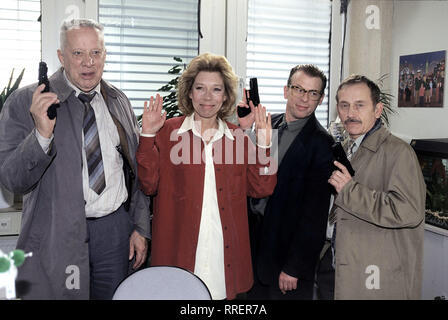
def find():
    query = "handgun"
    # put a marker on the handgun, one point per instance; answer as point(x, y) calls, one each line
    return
point(251, 95)
point(340, 156)
point(43, 78)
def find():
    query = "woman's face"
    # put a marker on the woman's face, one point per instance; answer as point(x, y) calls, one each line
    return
point(207, 94)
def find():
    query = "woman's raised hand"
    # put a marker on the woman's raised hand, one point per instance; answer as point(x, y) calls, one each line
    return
point(153, 118)
point(263, 127)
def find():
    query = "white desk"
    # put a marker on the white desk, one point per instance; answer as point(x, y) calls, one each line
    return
point(10, 223)
point(435, 263)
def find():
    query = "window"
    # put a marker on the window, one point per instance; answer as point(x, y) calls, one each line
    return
point(281, 35)
point(20, 37)
point(142, 38)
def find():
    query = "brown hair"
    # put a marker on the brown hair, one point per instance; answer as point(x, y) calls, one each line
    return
point(210, 63)
point(310, 70)
point(375, 92)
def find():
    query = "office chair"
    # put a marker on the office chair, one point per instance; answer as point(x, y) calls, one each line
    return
point(162, 283)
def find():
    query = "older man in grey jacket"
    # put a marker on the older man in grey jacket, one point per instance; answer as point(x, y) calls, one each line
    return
point(84, 216)
point(380, 211)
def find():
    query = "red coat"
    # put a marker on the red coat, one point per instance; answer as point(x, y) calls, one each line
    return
point(178, 190)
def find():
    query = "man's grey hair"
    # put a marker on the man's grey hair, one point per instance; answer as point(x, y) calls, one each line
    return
point(77, 23)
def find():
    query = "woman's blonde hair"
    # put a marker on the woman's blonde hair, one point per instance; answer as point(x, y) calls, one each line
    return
point(210, 63)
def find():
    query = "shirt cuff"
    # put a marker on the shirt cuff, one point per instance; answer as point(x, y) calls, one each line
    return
point(147, 135)
point(44, 142)
point(265, 147)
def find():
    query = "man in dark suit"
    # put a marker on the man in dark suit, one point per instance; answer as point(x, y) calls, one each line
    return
point(288, 228)
point(84, 216)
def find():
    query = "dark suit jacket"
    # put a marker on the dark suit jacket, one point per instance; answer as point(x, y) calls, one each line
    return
point(294, 224)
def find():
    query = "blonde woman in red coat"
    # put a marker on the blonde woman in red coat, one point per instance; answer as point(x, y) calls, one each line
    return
point(201, 168)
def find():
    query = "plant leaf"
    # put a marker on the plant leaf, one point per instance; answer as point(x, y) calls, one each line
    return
point(8, 89)
point(386, 99)
point(10, 80)
point(18, 80)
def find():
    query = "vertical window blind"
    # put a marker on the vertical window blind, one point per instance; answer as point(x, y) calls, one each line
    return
point(20, 37)
point(282, 34)
point(142, 38)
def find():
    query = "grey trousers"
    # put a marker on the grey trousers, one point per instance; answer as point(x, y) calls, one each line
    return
point(108, 252)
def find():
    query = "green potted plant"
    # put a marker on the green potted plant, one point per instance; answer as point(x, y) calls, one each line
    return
point(170, 101)
point(386, 100)
point(10, 89)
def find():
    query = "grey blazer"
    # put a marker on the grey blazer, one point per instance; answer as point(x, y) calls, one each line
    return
point(53, 221)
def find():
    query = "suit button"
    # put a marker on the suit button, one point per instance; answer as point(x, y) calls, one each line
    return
point(31, 164)
point(228, 265)
point(227, 247)
point(225, 228)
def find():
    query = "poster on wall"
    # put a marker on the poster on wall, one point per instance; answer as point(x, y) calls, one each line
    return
point(421, 80)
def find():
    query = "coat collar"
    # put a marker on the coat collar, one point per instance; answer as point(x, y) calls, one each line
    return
point(373, 141)
point(188, 124)
point(60, 86)
point(311, 124)
point(299, 143)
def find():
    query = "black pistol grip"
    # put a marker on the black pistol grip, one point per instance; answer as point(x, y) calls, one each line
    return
point(254, 96)
point(43, 78)
point(340, 156)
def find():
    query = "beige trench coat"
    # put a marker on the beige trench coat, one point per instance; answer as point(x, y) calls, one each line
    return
point(380, 223)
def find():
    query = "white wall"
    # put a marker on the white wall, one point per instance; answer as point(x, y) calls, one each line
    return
point(368, 38)
point(224, 30)
point(213, 24)
point(236, 35)
point(335, 57)
point(418, 27)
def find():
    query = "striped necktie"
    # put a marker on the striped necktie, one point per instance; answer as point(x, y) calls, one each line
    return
point(97, 181)
point(350, 149)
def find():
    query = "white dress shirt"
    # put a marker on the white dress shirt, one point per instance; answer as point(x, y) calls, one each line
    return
point(115, 192)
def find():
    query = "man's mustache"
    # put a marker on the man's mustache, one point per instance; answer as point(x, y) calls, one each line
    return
point(352, 120)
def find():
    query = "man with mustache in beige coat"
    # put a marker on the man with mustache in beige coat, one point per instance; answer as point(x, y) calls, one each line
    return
point(380, 210)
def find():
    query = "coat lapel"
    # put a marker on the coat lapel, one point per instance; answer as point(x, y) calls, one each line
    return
point(370, 144)
point(70, 112)
point(295, 155)
point(75, 114)
point(124, 131)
